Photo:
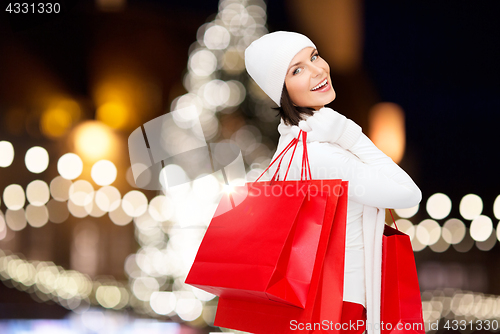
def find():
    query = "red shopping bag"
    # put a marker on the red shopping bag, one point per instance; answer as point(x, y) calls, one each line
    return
point(401, 305)
point(323, 308)
point(266, 247)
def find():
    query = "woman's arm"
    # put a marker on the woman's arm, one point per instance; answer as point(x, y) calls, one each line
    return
point(340, 149)
point(374, 179)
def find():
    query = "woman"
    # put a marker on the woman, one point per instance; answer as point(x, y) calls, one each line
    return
point(288, 68)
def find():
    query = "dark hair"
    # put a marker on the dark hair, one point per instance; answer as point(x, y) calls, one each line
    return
point(290, 113)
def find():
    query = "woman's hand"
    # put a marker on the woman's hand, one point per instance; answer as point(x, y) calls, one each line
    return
point(327, 125)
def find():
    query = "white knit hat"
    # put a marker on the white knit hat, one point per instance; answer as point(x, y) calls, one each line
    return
point(267, 60)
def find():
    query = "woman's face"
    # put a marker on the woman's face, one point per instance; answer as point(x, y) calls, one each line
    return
point(308, 80)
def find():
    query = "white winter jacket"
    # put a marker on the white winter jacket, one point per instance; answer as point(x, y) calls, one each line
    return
point(374, 181)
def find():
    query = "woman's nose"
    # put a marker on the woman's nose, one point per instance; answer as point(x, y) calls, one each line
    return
point(316, 70)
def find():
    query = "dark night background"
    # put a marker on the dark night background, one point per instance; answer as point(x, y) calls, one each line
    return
point(439, 60)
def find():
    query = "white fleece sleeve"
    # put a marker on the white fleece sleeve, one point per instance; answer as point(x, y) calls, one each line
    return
point(374, 179)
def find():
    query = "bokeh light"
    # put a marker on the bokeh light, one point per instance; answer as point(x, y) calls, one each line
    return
point(3, 227)
point(471, 206)
point(70, 166)
point(438, 206)
point(93, 140)
point(496, 207)
point(37, 192)
point(58, 118)
point(37, 216)
point(59, 188)
point(113, 114)
point(36, 159)
point(55, 122)
point(119, 217)
point(408, 212)
point(207, 188)
point(134, 203)
point(216, 37)
point(202, 62)
point(13, 197)
point(387, 129)
point(406, 227)
point(104, 172)
point(94, 210)
point(453, 231)
point(466, 244)
point(108, 198)
point(440, 246)
point(428, 232)
point(166, 251)
point(161, 208)
point(143, 287)
point(81, 192)
point(215, 93)
point(487, 244)
point(237, 93)
point(15, 219)
point(6, 153)
point(233, 62)
point(58, 211)
point(163, 302)
point(108, 296)
point(77, 210)
point(188, 307)
point(481, 228)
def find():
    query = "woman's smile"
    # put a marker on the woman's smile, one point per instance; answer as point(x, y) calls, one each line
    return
point(322, 87)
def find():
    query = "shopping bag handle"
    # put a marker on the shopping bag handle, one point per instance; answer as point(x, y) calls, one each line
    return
point(305, 160)
point(390, 211)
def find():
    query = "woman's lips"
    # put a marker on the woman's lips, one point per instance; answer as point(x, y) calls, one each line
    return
point(325, 88)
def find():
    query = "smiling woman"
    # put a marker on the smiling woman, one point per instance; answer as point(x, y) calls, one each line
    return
point(287, 66)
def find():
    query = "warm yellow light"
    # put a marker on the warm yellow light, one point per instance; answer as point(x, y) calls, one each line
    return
point(93, 140)
point(72, 107)
point(58, 118)
point(113, 114)
point(387, 129)
point(119, 93)
point(55, 122)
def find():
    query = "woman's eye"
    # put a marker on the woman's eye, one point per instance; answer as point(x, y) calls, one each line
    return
point(316, 56)
point(297, 71)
